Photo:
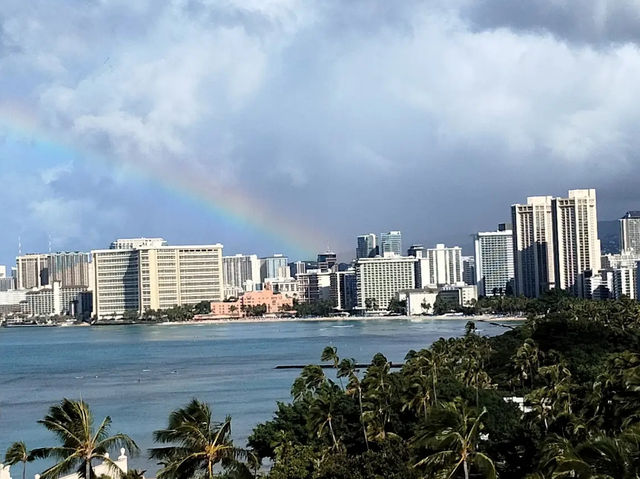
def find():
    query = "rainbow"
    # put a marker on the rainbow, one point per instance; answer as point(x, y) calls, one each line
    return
point(229, 203)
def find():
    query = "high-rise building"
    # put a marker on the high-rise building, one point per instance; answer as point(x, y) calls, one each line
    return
point(274, 267)
point(379, 279)
point(444, 265)
point(156, 278)
point(494, 262)
point(117, 282)
point(367, 246)
point(344, 290)
point(533, 246)
point(70, 269)
point(241, 274)
point(297, 267)
point(437, 266)
point(391, 242)
point(135, 243)
point(576, 243)
point(33, 271)
point(314, 285)
point(469, 270)
point(327, 260)
point(630, 232)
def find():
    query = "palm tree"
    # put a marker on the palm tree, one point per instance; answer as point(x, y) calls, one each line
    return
point(197, 443)
point(16, 453)
point(322, 412)
point(133, 474)
point(72, 422)
point(454, 432)
point(379, 388)
point(309, 381)
point(600, 457)
point(330, 353)
point(347, 368)
point(527, 360)
point(420, 394)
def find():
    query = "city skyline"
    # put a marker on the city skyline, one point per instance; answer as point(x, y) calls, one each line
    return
point(231, 122)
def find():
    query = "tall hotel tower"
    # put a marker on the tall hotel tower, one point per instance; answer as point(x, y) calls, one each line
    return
point(555, 243)
point(576, 243)
point(533, 246)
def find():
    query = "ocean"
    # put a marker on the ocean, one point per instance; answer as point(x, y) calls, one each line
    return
point(139, 374)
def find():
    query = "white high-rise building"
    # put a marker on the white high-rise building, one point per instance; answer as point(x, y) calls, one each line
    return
point(155, 278)
point(494, 262)
point(379, 279)
point(444, 265)
point(391, 242)
point(241, 274)
point(533, 246)
point(314, 285)
point(630, 232)
point(576, 243)
point(367, 246)
point(117, 282)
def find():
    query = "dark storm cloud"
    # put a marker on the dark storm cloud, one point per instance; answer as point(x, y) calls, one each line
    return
point(596, 22)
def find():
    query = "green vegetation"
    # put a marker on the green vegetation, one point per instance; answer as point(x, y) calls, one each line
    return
point(72, 423)
point(196, 444)
point(16, 453)
point(558, 397)
point(316, 309)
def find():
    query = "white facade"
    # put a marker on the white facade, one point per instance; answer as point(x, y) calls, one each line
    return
point(117, 282)
point(494, 262)
point(576, 243)
point(379, 279)
point(314, 285)
point(241, 274)
point(136, 243)
point(533, 246)
point(625, 282)
point(156, 278)
point(630, 232)
point(599, 286)
point(55, 300)
point(443, 265)
point(419, 301)
point(286, 286)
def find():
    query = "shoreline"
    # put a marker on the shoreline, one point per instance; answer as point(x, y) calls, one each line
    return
point(487, 318)
point(480, 317)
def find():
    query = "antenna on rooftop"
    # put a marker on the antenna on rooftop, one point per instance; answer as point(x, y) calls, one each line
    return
point(19, 246)
point(49, 243)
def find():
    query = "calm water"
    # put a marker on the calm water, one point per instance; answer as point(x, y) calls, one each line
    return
point(138, 374)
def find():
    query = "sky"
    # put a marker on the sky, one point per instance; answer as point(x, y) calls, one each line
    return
point(292, 126)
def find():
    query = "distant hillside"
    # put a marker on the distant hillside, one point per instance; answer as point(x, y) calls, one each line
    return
point(609, 232)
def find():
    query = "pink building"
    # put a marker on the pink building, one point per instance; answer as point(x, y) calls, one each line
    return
point(275, 303)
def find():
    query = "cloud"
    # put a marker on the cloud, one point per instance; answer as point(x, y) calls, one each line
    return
point(595, 22)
